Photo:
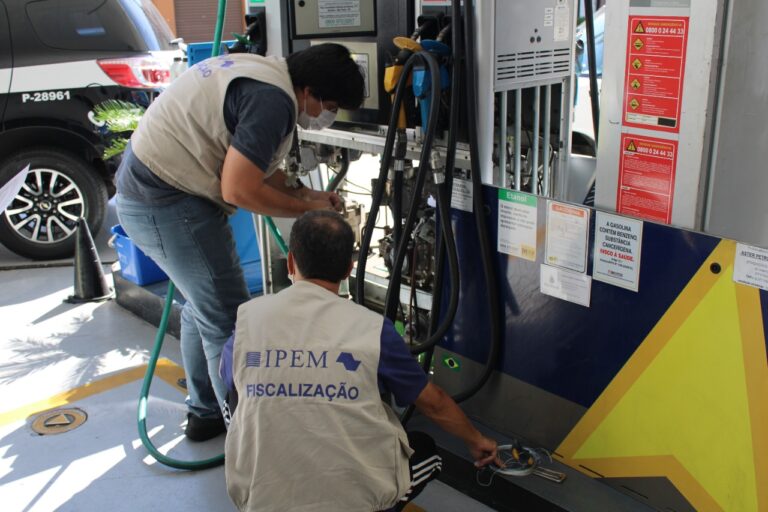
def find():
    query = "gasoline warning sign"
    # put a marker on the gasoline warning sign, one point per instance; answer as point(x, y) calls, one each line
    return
point(655, 67)
point(647, 177)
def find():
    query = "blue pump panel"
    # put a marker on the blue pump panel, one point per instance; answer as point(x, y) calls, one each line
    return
point(546, 338)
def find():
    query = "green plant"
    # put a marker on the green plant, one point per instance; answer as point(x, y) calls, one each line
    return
point(121, 118)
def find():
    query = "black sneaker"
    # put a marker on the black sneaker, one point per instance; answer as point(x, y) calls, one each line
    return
point(202, 429)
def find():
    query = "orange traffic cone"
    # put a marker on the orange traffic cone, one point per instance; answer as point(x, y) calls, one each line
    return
point(90, 283)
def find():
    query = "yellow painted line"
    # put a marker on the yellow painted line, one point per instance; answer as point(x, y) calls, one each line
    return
point(656, 340)
point(413, 508)
point(755, 357)
point(652, 467)
point(166, 369)
point(698, 376)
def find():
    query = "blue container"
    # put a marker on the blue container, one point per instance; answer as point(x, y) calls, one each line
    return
point(135, 266)
point(197, 52)
point(247, 249)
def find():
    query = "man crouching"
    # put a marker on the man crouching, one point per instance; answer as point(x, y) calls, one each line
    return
point(310, 431)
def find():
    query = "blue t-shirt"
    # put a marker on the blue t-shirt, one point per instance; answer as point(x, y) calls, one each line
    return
point(398, 373)
point(257, 115)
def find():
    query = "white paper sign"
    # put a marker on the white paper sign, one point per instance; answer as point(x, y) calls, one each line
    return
point(751, 266)
point(338, 13)
point(461, 196)
point(517, 224)
point(11, 189)
point(562, 22)
point(567, 236)
point(618, 243)
point(566, 285)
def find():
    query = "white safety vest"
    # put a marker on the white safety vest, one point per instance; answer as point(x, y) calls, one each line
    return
point(183, 138)
point(310, 432)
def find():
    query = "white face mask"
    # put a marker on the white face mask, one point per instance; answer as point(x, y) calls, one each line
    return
point(324, 120)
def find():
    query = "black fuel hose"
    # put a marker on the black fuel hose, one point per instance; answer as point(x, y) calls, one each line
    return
point(393, 290)
point(479, 209)
point(378, 190)
point(589, 16)
point(337, 180)
point(447, 240)
point(428, 349)
point(448, 243)
point(446, 246)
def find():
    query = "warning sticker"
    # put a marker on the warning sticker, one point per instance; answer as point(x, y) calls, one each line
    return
point(567, 236)
point(656, 53)
point(751, 266)
point(517, 224)
point(618, 243)
point(461, 196)
point(647, 177)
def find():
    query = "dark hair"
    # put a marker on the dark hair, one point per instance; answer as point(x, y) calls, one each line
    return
point(321, 244)
point(330, 73)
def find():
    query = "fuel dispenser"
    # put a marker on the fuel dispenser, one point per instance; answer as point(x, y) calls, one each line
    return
point(627, 348)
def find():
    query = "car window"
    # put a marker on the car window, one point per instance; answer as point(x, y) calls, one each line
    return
point(5, 48)
point(150, 23)
point(102, 25)
point(5, 59)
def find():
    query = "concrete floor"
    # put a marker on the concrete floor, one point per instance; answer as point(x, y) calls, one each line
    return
point(92, 356)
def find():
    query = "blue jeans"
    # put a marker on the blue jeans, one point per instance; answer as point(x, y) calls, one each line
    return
point(192, 242)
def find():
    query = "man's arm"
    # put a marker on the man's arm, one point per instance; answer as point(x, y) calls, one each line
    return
point(279, 180)
point(437, 405)
point(243, 185)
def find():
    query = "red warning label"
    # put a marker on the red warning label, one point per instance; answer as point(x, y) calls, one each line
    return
point(647, 177)
point(656, 52)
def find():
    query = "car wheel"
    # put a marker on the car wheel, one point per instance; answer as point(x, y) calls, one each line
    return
point(60, 188)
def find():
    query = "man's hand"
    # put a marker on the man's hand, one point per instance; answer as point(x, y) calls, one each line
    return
point(331, 198)
point(320, 205)
point(243, 184)
point(483, 451)
point(438, 406)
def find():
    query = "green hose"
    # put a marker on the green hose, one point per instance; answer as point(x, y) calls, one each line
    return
point(152, 364)
point(278, 236)
point(219, 28)
point(164, 459)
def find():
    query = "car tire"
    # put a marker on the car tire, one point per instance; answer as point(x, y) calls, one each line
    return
point(40, 222)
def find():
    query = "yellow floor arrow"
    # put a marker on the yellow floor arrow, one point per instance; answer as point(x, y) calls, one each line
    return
point(690, 403)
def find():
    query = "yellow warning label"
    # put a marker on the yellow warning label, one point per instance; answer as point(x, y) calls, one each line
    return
point(631, 146)
point(636, 84)
point(639, 29)
point(637, 64)
point(634, 104)
point(639, 44)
